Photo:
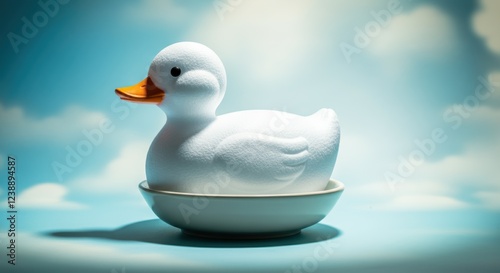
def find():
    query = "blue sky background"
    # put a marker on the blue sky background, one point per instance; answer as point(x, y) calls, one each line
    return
point(416, 68)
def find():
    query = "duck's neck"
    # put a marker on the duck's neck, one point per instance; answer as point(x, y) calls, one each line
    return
point(188, 125)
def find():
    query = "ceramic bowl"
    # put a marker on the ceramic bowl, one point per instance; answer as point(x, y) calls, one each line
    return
point(242, 216)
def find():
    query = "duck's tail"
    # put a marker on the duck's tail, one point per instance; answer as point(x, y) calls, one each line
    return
point(329, 119)
point(328, 128)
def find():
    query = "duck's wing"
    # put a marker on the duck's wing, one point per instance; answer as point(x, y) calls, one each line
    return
point(259, 158)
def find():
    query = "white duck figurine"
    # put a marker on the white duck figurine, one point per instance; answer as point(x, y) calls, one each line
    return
point(246, 152)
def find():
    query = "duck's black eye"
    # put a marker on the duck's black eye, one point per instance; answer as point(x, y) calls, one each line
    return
point(175, 71)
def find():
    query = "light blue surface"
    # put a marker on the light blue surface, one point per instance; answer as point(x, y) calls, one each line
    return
point(417, 102)
point(346, 241)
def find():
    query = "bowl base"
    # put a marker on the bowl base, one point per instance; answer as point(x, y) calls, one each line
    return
point(240, 217)
point(241, 236)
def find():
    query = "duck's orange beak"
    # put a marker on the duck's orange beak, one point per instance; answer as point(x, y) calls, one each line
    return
point(143, 92)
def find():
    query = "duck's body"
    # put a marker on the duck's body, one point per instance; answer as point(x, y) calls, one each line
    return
point(247, 152)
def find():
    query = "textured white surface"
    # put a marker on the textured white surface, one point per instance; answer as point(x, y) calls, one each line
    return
point(247, 152)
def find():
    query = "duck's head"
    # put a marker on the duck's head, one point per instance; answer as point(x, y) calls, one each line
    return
point(186, 80)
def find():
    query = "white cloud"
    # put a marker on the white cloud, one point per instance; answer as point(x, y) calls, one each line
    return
point(473, 176)
point(489, 199)
point(475, 171)
point(477, 166)
point(120, 175)
point(468, 179)
point(46, 195)
point(18, 126)
point(494, 79)
point(486, 23)
point(425, 31)
point(271, 40)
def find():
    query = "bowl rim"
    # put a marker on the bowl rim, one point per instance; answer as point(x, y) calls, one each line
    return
point(337, 187)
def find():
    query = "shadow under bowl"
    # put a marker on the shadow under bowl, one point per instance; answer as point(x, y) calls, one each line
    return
point(242, 216)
